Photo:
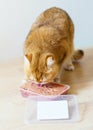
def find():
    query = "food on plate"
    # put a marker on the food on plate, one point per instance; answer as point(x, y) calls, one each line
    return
point(47, 89)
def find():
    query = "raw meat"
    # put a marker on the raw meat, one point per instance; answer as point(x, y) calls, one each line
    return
point(48, 89)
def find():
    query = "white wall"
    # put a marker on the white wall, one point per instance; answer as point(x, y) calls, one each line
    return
point(16, 17)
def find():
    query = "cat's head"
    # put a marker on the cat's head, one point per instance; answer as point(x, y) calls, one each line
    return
point(44, 54)
point(41, 67)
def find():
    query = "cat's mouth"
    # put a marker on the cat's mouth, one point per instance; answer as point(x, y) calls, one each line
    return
point(40, 84)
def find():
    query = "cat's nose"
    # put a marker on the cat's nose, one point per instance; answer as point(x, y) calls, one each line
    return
point(38, 80)
point(41, 81)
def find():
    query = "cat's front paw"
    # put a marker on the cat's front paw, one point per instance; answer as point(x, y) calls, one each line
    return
point(69, 67)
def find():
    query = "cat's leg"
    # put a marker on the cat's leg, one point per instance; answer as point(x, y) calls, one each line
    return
point(69, 65)
point(76, 56)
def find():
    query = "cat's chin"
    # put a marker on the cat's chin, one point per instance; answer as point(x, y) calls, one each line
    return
point(40, 82)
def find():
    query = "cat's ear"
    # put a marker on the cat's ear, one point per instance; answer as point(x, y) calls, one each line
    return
point(29, 57)
point(50, 60)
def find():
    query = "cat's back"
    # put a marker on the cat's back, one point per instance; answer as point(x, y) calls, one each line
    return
point(48, 29)
point(54, 17)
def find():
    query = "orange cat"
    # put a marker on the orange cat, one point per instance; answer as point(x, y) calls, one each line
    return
point(49, 46)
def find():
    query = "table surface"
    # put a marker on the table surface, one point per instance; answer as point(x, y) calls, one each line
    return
point(12, 104)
